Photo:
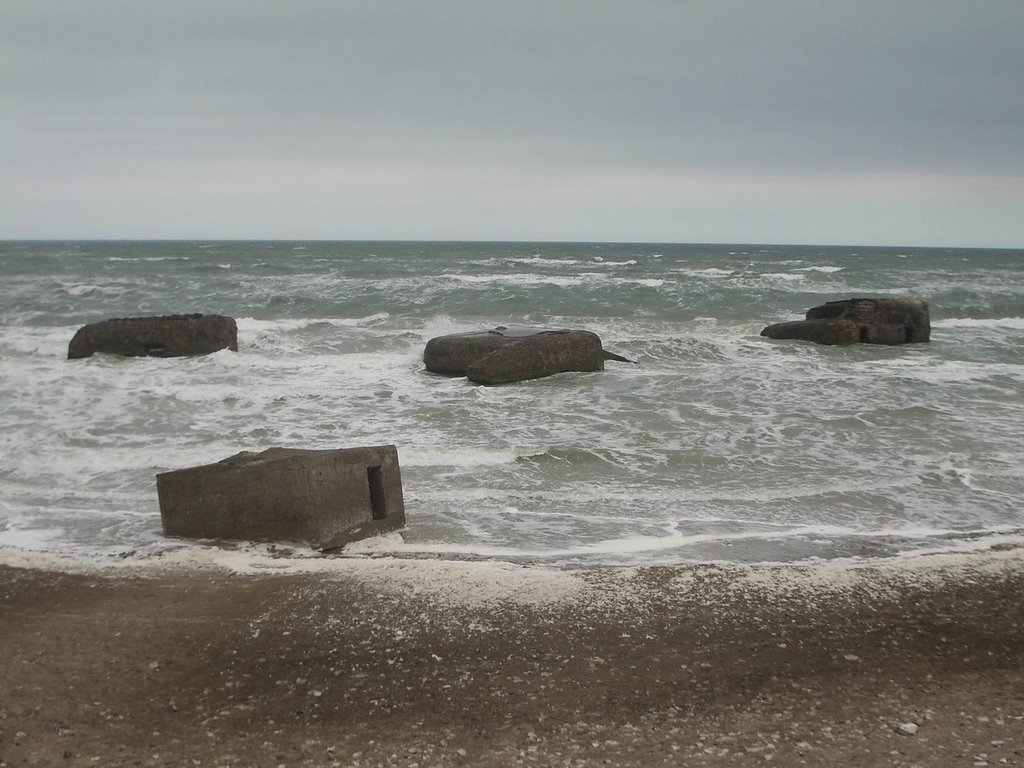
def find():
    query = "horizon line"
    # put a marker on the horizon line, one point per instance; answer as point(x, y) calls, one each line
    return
point(493, 241)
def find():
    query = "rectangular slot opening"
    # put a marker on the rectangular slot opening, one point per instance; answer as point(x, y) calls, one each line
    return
point(864, 335)
point(908, 334)
point(378, 505)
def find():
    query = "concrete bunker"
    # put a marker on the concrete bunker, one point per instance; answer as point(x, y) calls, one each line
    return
point(164, 336)
point(324, 498)
point(867, 321)
point(504, 355)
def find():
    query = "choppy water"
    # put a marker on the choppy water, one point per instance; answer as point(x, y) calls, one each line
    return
point(720, 445)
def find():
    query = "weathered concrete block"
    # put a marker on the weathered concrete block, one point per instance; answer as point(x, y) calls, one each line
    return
point(167, 336)
point(452, 355)
point(504, 355)
point(818, 331)
point(869, 321)
point(542, 354)
point(324, 498)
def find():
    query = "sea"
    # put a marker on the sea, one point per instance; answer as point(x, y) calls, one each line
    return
point(717, 445)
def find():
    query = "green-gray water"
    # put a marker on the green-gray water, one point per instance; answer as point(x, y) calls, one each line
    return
point(719, 445)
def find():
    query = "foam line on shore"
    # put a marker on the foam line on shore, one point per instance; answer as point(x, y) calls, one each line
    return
point(460, 583)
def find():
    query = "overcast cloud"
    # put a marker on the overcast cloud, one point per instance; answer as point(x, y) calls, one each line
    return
point(862, 122)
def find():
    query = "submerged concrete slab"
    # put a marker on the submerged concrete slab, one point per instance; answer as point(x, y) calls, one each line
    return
point(504, 355)
point(819, 331)
point(453, 354)
point(537, 356)
point(868, 321)
point(165, 336)
point(324, 498)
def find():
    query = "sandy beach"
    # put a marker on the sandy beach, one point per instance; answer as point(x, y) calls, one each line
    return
point(379, 661)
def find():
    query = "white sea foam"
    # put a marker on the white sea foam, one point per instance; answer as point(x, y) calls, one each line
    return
point(945, 371)
point(522, 278)
point(609, 263)
point(90, 289)
point(711, 272)
point(42, 341)
point(1015, 323)
point(625, 545)
point(253, 325)
point(30, 538)
point(822, 268)
point(151, 258)
point(447, 456)
point(871, 290)
point(671, 538)
point(545, 261)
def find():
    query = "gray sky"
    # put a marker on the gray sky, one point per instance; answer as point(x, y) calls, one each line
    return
point(867, 122)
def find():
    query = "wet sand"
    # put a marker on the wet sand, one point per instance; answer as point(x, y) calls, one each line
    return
point(390, 662)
